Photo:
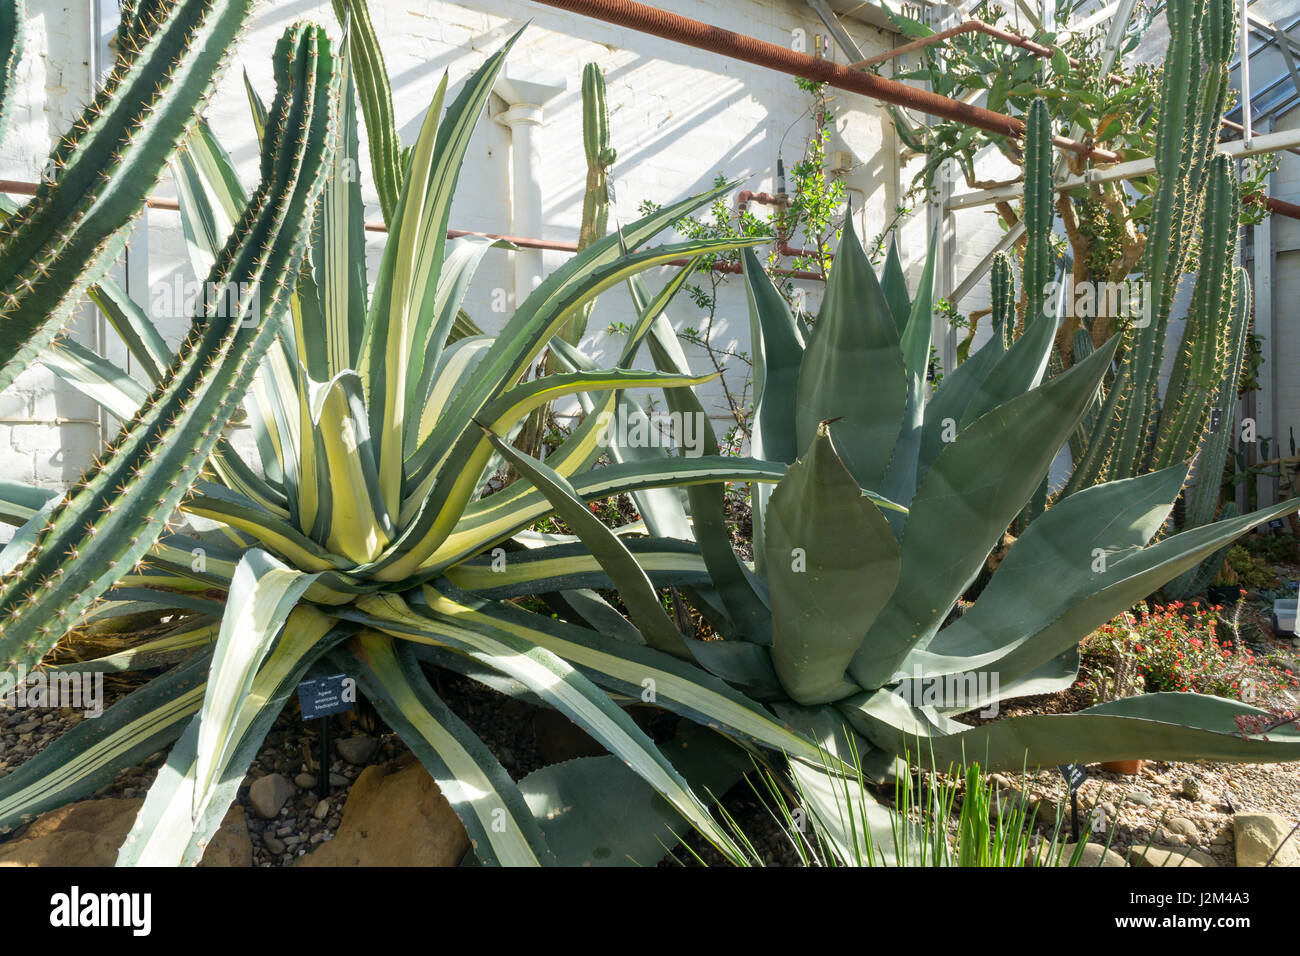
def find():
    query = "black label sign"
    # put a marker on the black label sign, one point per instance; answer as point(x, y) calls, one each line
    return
point(1074, 775)
point(326, 695)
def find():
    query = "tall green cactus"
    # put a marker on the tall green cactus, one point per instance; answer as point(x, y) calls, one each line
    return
point(595, 204)
point(11, 52)
point(119, 508)
point(1137, 431)
point(595, 222)
point(102, 170)
point(1037, 270)
point(1202, 502)
point(1004, 299)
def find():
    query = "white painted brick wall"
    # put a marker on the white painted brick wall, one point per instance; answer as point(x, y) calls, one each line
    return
point(680, 116)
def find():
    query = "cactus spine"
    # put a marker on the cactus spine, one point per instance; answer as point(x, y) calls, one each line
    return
point(1137, 431)
point(1004, 299)
point(1202, 501)
point(118, 509)
point(1037, 269)
point(11, 52)
point(102, 170)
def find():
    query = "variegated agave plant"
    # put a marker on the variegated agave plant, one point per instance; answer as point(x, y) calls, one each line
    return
point(364, 535)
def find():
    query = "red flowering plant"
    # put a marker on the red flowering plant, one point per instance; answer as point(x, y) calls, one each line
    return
point(1181, 647)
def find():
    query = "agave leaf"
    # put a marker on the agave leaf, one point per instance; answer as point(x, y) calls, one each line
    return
point(633, 585)
point(852, 372)
point(93, 752)
point(894, 284)
point(901, 478)
point(502, 829)
point(141, 337)
point(262, 594)
point(347, 478)
point(376, 103)
point(557, 683)
point(741, 592)
point(668, 563)
point(1050, 620)
point(1148, 727)
point(597, 812)
point(210, 195)
point(410, 267)
point(175, 646)
point(435, 326)
point(490, 521)
point(947, 409)
point(1020, 369)
point(628, 669)
point(778, 353)
point(832, 564)
point(976, 487)
point(338, 251)
point(185, 806)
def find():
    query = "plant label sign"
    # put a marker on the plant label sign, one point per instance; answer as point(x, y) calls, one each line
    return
point(323, 696)
point(1074, 775)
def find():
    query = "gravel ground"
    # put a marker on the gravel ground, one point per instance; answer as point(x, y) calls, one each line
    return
point(1168, 804)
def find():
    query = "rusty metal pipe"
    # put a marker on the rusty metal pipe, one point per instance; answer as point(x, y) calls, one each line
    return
point(746, 196)
point(703, 36)
point(16, 187)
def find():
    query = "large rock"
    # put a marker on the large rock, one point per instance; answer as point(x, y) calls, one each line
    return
point(1260, 834)
point(394, 819)
point(1168, 856)
point(268, 794)
point(89, 833)
point(357, 750)
point(1094, 854)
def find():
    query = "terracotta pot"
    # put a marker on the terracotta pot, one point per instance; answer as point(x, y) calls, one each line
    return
point(1127, 767)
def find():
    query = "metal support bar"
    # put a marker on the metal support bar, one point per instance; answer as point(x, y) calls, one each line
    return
point(1286, 46)
point(836, 28)
point(1243, 74)
point(1029, 13)
point(1087, 23)
point(1267, 143)
point(1266, 420)
point(1009, 238)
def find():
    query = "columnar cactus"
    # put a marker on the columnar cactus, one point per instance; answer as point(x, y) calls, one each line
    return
point(596, 200)
point(104, 167)
point(11, 52)
point(120, 507)
point(1136, 431)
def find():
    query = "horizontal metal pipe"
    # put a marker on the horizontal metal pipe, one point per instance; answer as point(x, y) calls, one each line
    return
point(703, 36)
point(1269, 143)
point(17, 188)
